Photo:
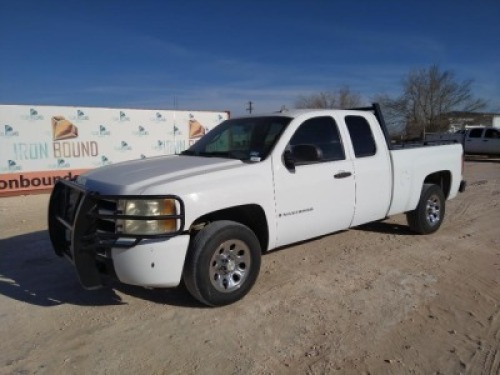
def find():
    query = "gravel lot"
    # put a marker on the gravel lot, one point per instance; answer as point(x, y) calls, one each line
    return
point(372, 300)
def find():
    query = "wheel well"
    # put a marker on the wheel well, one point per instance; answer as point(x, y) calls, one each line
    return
point(441, 179)
point(250, 215)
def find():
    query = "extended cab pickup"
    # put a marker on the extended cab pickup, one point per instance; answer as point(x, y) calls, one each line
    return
point(250, 185)
point(480, 140)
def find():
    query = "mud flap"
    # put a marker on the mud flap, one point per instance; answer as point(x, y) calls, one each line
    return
point(463, 185)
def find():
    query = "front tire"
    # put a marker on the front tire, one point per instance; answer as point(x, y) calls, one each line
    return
point(429, 214)
point(222, 264)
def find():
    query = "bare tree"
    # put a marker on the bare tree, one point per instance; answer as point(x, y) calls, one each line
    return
point(428, 95)
point(342, 98)
point(394, 111)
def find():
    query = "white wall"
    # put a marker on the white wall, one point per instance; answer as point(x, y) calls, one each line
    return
point(32, 153)
point(496, 122)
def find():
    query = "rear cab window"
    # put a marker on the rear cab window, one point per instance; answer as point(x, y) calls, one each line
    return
point(492, 134)
point(361, 135)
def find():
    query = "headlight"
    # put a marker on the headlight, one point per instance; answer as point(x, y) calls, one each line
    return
point(147, 209)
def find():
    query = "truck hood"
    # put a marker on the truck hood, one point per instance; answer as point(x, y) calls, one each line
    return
point(133, 177)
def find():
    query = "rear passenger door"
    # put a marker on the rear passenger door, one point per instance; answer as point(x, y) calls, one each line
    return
point(492, 141)
point(372, 163)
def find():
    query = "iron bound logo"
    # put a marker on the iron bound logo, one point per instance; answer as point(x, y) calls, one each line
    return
point(175, 131)
point(103, 160)
point(102, 132)
point(9, 132)
point(141, 131)
point(80, 116)
point(33, 115)
point(159, 146)
point(122, 117)
point(124, 146)
point(12, 166)
point(171, 147)
point(60, 164)
point(65, 143)
point(159, 117)
point(63, 129)
point(196, 129)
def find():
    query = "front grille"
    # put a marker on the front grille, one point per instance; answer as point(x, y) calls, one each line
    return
point(105, 226)
point(105, 209)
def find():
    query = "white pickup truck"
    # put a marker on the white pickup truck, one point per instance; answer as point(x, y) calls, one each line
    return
point(250, 185)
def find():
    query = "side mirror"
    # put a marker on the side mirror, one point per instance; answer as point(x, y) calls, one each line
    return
point(289, 160)
point(301, 154)
point(304, 154)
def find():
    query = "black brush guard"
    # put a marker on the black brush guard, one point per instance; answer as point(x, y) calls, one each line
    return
point(82, 228)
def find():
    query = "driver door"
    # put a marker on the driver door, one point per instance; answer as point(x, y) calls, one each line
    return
point(317, 196)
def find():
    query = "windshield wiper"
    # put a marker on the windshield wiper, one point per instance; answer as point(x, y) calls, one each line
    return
point(215, 154)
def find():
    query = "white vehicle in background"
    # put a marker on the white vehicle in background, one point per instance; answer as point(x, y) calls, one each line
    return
point(250, 185)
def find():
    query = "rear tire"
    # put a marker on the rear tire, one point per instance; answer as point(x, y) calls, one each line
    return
point(429, 214)
point(222, 264)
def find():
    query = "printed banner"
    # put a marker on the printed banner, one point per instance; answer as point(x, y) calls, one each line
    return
point(11, 183)
point(58, 141)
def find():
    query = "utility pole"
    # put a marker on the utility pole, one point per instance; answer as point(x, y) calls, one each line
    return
point(250, 107)
point(175, 124)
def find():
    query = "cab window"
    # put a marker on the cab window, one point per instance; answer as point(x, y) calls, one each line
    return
point(361, 136)
point(492, 133)
point(321, 132)
point(475, 133)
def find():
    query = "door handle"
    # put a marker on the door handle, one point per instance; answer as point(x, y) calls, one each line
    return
point(342, 175)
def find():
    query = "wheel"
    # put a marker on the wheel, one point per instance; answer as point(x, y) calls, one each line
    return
point(429, 214)
point(222, 264)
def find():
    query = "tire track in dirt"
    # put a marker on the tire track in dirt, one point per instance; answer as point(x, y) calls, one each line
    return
point(373, 300)
point(486, 357)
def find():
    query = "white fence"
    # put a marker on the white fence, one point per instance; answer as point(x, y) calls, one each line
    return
point(39, 144)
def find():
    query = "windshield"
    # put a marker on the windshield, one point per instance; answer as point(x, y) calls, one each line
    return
point(246, 139)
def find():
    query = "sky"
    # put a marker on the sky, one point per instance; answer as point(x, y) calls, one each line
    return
point(219, 55)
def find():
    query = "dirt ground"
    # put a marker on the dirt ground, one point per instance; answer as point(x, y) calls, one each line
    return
point(372, 300)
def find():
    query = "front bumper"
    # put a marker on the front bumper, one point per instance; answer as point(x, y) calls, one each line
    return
point(151, 263)
point(82, 228)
